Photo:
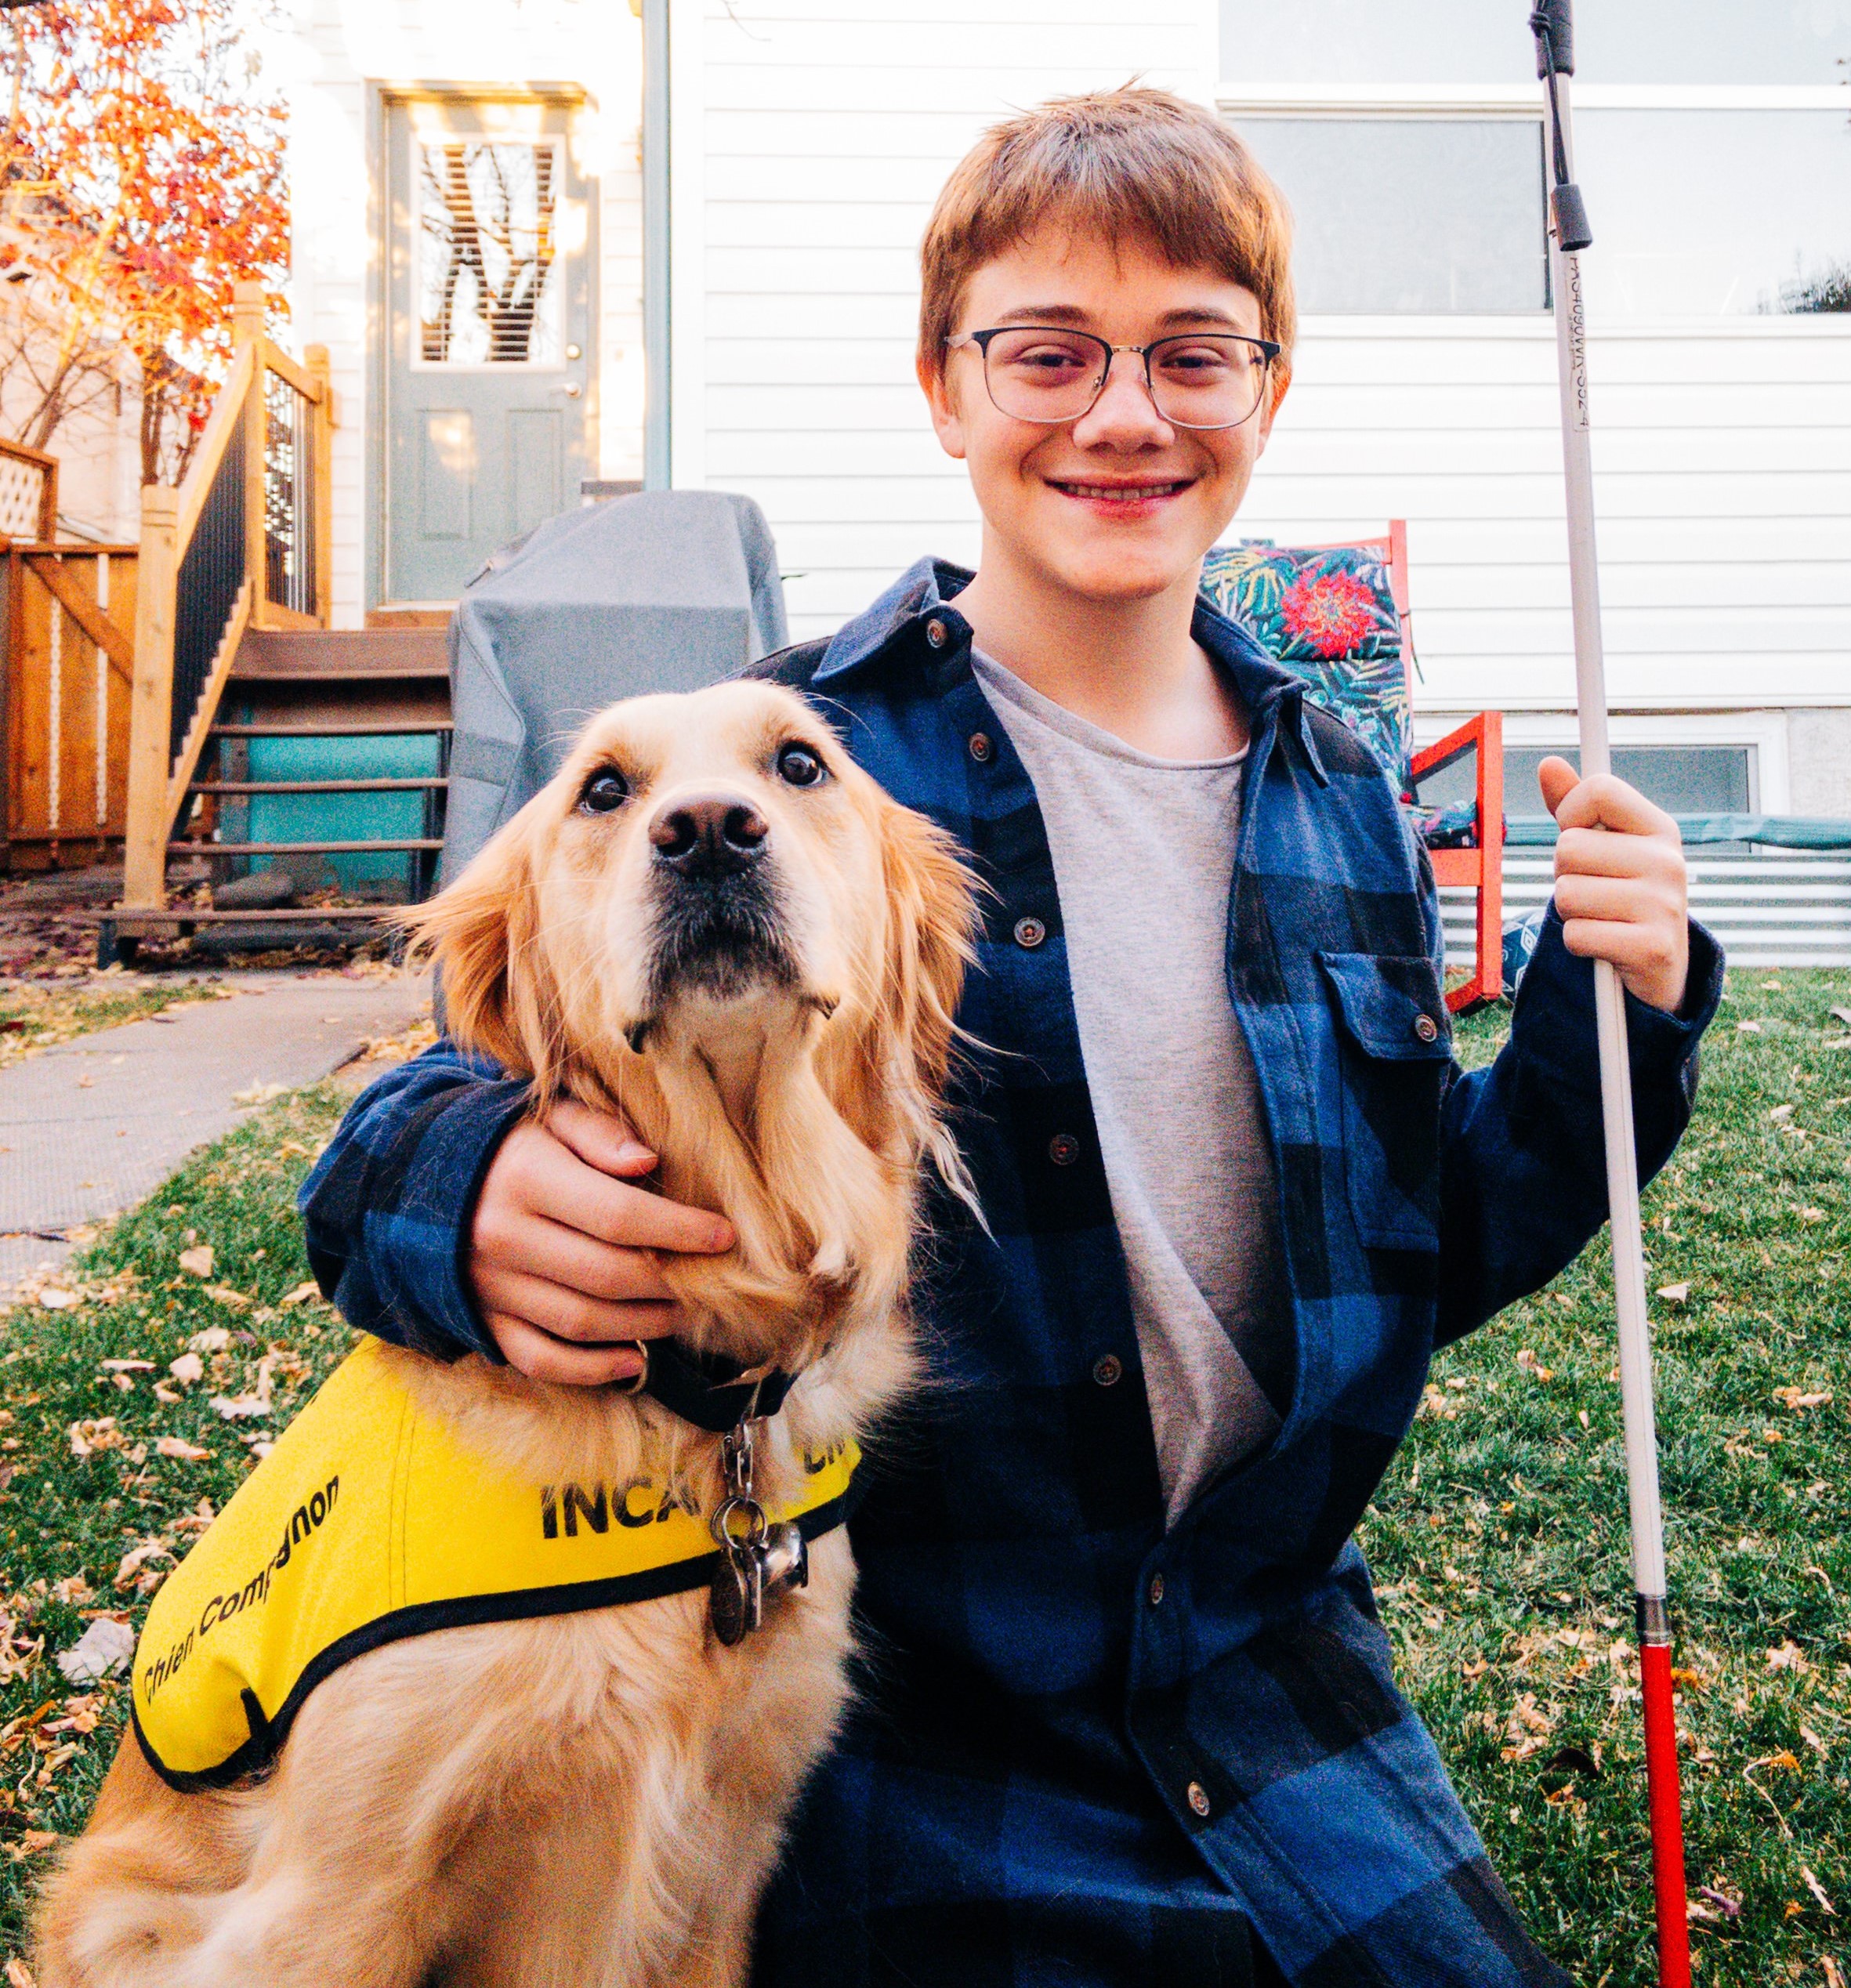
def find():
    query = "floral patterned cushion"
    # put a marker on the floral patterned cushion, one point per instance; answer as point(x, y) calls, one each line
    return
point(1329, 617)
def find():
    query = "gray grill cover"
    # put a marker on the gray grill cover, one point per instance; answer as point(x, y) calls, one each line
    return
point(667, 590)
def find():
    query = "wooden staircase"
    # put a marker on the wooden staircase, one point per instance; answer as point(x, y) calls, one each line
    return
point(320, 721)
point(260, 737)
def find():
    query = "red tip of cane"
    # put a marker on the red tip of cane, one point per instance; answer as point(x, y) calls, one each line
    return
point(1668, 1821)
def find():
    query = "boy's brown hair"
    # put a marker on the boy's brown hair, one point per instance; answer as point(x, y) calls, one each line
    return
point(1132, 164)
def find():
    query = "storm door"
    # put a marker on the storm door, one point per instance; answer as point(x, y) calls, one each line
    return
point(488, 387)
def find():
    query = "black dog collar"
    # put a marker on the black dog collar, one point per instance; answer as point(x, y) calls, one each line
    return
point(713, 1393)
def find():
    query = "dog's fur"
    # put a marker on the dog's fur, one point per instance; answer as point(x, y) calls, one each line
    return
point(595, 1799)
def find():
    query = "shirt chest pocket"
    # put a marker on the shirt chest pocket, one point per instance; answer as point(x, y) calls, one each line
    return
point(1394, 1052)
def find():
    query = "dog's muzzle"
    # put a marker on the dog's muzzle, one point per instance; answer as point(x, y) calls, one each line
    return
point(719, 927)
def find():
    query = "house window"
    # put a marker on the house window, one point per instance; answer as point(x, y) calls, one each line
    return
point(1711, 137)
point(1680, 779)
point(1429, 215)
point(1687, 216)
point(487, 241)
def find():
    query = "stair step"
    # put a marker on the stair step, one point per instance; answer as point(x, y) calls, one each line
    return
point(245, 678)
point(357, 728)
point(300, 848)
point(434, 781)
point(321, 655)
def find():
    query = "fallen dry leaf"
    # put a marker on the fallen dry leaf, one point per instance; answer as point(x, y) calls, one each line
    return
point(103, 1649)
point(302, 1294)
point(1676, 1292)
point(214, 1339)
point(1818, 1891)
point(128, 1366)
point(233, 1300)
point(1747, 1028)
point(187, 1369)
point(1793, 1399)
point(258, 1094)
point(177, 1446)
point(239, 1407)
point(136, 1558)
point(55, 1298)
point(199, 1260)
point(1840, 1014)
point(1833, 1978)
point(88, 1437)
point(18, 1974)
point(1526, 1360)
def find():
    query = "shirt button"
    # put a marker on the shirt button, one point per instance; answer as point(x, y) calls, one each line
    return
point(982, 748)
point(1425, 1028)
point(1198, 1799)
point(1107, 1370)
point(1157, 1591)
point(1029, 932)
point(1064, 1149)
point(937, 633)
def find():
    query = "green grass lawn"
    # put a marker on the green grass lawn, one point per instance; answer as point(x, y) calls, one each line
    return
point(1498, 1539)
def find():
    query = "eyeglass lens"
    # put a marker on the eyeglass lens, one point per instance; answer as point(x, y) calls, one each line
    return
point(1196, 380)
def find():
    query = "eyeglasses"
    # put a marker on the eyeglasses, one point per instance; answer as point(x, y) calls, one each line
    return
point(1196, 379)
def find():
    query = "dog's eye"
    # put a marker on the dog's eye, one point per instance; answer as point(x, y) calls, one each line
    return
point(799, 766)
point(605, 789)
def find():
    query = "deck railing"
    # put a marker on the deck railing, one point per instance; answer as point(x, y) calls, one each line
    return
point(242, 544)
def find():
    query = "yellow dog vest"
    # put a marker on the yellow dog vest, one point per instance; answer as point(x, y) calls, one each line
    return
point(369, 1522)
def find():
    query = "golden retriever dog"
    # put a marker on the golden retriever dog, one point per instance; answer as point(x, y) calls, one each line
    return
point(714, 923)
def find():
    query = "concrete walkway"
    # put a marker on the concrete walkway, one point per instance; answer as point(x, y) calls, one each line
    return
point(89, 1127)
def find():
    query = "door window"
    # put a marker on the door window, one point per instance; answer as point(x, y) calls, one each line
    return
point(487, 241)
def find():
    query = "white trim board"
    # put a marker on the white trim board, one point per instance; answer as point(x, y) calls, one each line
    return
point(1493, 99)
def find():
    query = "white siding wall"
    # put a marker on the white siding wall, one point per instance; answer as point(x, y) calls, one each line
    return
point(337, 55)
point(829, 127)
point(1722, 464)
point(823, 129)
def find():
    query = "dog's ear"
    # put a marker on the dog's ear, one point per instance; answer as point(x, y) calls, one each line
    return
point(932, 923)
point(482, 933)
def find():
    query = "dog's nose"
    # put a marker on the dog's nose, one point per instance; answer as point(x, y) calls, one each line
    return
point(713, 834)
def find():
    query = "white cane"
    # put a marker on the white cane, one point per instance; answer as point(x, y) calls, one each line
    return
point(1553, 28)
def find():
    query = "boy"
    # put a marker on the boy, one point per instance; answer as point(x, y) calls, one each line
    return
point(1128, 1716)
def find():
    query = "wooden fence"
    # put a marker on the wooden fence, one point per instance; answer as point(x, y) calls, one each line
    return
point(69, 664)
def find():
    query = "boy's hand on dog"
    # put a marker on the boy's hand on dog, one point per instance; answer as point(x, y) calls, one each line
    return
point(563, 1253)
point(1620, 881)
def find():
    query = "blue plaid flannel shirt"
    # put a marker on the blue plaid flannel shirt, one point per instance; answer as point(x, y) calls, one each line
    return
point(1090, 1751)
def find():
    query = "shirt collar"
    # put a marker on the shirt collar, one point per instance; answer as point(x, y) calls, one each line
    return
point(889, 630)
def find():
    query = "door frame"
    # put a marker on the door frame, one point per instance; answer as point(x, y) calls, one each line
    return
point(382, 99)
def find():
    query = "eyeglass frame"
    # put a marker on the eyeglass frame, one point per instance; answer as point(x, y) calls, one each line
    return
point(1269, 349)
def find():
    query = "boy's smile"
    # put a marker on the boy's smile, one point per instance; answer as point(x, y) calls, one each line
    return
point(1119, 505)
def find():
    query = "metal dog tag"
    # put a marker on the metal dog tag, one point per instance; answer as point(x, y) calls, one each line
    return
point(736, 1601)
point(785, 1556)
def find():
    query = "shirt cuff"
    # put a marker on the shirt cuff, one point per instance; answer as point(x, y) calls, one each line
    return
point(422, 1244)
point(1554, 1018)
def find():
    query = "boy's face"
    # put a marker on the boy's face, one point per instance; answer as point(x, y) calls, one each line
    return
point(1118, 504)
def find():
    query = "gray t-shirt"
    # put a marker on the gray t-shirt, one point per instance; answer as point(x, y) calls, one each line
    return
point(1143, 852)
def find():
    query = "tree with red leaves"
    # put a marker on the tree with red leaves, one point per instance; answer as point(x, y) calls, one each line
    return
point(141, 178)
